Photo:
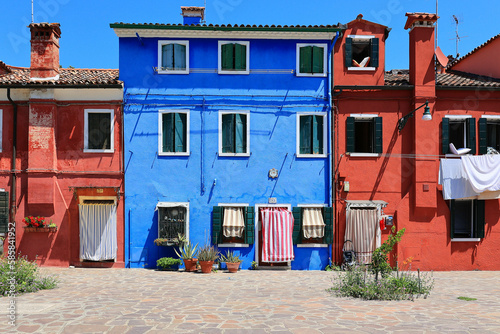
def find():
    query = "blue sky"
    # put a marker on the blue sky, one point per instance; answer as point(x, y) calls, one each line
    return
point(88, 42)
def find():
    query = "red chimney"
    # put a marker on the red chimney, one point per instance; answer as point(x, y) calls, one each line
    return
point(44, 51)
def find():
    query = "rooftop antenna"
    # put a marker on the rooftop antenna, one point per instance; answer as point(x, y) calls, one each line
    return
point(32, 20)
point(458, 37)
point(205, 17)
point(436, 37)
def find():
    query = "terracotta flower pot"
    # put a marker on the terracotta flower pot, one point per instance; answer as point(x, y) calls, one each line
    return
point(232, 267)
point(190, 264)
point(206, 266)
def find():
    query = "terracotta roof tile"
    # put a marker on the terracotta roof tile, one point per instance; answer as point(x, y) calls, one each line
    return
point(153, 25)
point(456, 61)
point(448, 79)
point(418, 16)
point(67, 77)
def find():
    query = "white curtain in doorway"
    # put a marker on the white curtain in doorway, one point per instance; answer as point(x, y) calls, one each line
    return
point(363, 230)
point(97, 232)
point(277, 229)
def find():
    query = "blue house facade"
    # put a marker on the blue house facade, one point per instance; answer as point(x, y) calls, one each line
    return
point(222, 123)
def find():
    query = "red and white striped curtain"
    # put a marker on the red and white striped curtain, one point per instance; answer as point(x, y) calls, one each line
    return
point(277, 229)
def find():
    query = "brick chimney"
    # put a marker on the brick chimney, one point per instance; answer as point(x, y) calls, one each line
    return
point(193, 15)
point(44, 51)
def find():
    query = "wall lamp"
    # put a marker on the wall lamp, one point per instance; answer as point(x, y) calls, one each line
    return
point(426, 117)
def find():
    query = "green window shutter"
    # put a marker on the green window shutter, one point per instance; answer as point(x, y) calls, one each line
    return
point(317, 137)
point(378, 135)
point(180, 132)
point(305, 59)
point(328, 218)
point(348, 52)
point(241, 133)
point(305, 135)
point(249, 225)
point(4, 212)
point(297, 225)
point(168, 132)
point(217, 225)
point(228, 133)
point(167, 56)
point(374, 55)
point(471, 134)
point(350, 134)
point(483, 135)
point(479, 218)
point(317, 59)
point(452, 218)
point(240, 57)
point(445, 135)
point(227, 54)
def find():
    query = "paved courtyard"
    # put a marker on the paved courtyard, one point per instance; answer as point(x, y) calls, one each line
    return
point(148, 301)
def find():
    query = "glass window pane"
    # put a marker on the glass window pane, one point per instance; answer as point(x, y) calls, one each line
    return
point(99, 131)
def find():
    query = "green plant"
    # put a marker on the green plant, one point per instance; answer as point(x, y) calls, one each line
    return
point(208, 253)
point(21, 275)
point(468, 299)
point(380, 256)
point(254, 265)
point(32, 221)
point(331, 266)
point(180, 240)
point(52, 225)
point(230, 257)
point(167, 262)
point(187, 251)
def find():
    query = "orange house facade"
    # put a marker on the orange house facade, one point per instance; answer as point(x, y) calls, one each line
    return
point(401, 140)
point(61, 144)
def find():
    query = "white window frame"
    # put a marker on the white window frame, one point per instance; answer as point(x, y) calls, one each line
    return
point(364, 117)
point(86, 131)
point(233, 205)
point(171, 205)
point(358, 38)
point(471, 224)
point(458, 118)
point(219, 58)
point(1, 130)
point(160, 56)
point(325, 60)
point(325, 135)
point(160, 132)
point(225, 112)
point(312, 245)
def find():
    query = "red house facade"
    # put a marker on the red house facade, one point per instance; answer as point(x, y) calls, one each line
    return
point(61, 157)
point(387, 166)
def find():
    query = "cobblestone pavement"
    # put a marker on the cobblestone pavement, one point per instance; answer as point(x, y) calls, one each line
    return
point(148, 301)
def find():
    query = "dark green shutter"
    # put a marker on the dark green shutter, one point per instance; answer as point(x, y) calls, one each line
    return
point(471, 134)
point(297, 225)
point(350, 134)
point(445, 135)
point(348, 52)
point(180, 132)
point(483, 135)
point(249, 225)
point(305, 59)
point(168, 132)
point(374, 54)
point(317, 136)
point(479, 218)
point(452, 218)
point(217, 225)
point(240, 57)
point(378, 135)
point(328, 218)
point(305, 134)
point(317, 59)
point(227, 133)
point(227, 54)
point(240, 133)
point(4, 212)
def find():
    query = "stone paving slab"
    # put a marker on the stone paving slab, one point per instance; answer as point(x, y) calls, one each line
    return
point(147, 301)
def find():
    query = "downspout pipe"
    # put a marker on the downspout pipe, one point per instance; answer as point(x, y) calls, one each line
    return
point(13, 162)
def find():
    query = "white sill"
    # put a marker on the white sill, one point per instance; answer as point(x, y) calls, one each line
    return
point(87, 150)
point(364, 155)
point(310, 74)
point(233, 72)
point(174, 72)
point(466, 239)
point(233, 245)
point(361, 68)
point(173, 154)
point(234, 154)
point(311, 155)
point(312, 245)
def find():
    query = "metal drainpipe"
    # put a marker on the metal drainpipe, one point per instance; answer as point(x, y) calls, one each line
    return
point(13, 163)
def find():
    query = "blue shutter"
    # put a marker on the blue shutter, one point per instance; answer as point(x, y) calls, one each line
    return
point(445, 135)
point(180, 132)
point(228, 133)
point(374, 53)
point(471, 134)
point(179, 57)
point(378, 135)
point(167, 54)
point(305, 135)
point(4, 211)
point(305, 59)
point(350, 135)
point(240, 133)
point(217, 225)
point(168, 132)
point(479, 218)
point(348, 52)
point(249, 225)
point(483, 135)
point(297, 225)
point(328, 218)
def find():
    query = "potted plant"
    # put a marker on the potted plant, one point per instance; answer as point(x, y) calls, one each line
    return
point(168, 263)
point(178, 241)
point(206, 256)
point(232, 261)
point(188, 254)
point(38, 224)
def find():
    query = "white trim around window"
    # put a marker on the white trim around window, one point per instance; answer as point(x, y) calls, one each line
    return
point(173, 205)
point(219, 57)
point(358, 38)
point(160, 132)
point(492, 117)
point(325, 135)
point(243, 112)
point(160, 56)
point(233, 205)
point(111, 131)
point(325, 60)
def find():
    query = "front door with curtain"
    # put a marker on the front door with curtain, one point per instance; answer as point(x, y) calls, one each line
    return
point(97, 232)
point(275, 237)
point(363, 230)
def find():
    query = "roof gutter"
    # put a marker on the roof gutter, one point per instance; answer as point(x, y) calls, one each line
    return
point(405, 87)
